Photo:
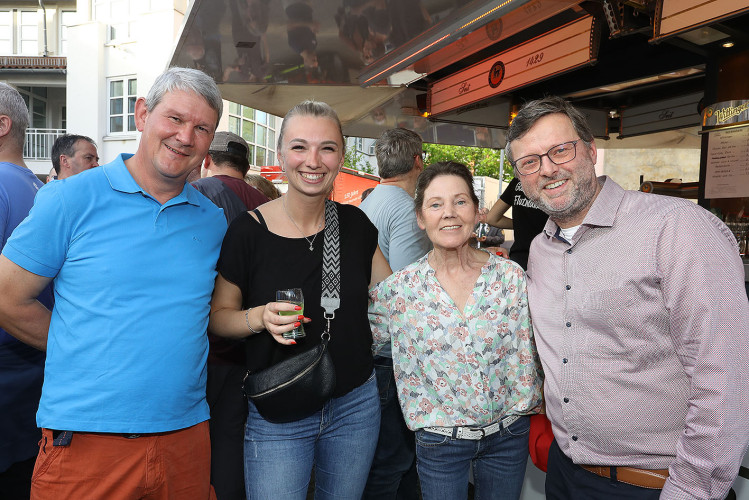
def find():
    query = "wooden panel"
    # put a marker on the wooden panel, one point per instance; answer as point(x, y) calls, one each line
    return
point(550, 54)
point(678, 16)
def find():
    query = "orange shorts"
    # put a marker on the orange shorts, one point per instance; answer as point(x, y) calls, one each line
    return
point(169, 465)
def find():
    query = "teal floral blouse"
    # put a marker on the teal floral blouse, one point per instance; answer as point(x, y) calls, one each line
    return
point(454, 369)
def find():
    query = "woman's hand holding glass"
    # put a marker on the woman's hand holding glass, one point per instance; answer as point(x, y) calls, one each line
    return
point(277, 324)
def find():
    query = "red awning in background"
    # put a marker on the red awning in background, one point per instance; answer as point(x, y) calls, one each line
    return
point(348, 186)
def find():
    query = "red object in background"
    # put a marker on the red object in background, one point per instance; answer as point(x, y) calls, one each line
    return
point(271, 173)
point(348, 186)
point(539, 441)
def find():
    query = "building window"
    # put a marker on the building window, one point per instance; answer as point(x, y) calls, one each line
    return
point(359, 144)
point(28, 33)
point(122, 97)
point(6, 32)
point(258, 129)
point(66, 19)
point(36, 100)
point(120, 17)
point(372, 149)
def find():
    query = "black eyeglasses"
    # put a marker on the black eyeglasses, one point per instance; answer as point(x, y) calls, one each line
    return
point(557, 155)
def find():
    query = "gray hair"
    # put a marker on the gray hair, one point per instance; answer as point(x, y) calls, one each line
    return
point(13, 106)
point(65, 145)
point(186, 80)
point(395, 151)
point(311, 108)
point(533, 111)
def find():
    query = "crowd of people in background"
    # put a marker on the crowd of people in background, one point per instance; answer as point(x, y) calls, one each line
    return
point(136, 302)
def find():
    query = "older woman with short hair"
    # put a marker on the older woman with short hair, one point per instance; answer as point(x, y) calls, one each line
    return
point(465, 363)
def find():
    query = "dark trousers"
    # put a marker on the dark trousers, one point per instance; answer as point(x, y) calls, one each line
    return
point(228, 416)
point(567, 481)
point(393, 473)
point(15, 483)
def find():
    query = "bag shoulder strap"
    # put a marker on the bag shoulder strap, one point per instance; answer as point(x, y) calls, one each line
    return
point(331, 264)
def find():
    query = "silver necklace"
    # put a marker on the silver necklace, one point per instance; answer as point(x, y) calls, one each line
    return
point(310, 241)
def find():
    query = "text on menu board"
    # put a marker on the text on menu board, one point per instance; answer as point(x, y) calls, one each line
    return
point(727, 164)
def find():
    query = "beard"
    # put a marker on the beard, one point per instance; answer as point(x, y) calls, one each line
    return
point(581, 196)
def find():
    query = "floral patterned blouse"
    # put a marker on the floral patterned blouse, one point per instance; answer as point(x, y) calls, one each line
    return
point(454, 369)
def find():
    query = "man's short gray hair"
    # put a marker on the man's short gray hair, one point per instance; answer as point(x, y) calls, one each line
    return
point(13, 106)
point(533, 111)
point(186, 80)
point(395, 151)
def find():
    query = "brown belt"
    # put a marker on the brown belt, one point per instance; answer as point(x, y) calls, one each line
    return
point(644, 478)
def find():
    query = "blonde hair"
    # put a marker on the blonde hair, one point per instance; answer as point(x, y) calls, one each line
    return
point(263, 185)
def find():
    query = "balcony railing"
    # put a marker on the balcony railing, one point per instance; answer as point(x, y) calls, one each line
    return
point(39, 142)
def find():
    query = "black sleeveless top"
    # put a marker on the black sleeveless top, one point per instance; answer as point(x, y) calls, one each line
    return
point(260, 262)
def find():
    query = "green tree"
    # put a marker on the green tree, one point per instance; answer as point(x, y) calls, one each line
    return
point(355, 160)
point(481, 161)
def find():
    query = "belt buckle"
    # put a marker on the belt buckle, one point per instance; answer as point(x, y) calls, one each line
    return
point(479, 429)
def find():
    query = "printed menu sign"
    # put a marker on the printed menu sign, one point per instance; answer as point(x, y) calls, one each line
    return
point(728, 164)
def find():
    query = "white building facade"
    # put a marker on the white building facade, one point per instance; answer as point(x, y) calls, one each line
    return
point(98, 58)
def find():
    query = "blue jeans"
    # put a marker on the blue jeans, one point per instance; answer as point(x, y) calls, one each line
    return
point(339, 441)
point(498, 464)
point(393, 473)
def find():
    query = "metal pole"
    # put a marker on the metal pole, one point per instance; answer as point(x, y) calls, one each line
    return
point(44, 11)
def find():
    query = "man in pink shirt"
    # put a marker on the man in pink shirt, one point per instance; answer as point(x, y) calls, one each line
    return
point(643, 334)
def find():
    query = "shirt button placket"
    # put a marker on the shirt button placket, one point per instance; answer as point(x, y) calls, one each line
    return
point(568, 324)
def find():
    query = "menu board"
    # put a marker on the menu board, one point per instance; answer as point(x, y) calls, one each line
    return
point(727, 163)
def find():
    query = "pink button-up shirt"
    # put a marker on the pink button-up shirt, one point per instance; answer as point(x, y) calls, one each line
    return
point(642, 326)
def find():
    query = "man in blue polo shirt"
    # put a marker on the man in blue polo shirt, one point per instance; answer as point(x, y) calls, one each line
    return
point(123, 410)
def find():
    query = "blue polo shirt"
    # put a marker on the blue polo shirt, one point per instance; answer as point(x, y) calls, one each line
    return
point(133, 280)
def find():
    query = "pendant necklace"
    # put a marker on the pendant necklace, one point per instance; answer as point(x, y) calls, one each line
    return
point(310, 241)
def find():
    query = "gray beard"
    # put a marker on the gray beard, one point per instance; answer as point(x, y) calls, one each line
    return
point(585, 196)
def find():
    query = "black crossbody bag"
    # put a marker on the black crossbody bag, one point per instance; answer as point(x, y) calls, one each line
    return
point(299, 386)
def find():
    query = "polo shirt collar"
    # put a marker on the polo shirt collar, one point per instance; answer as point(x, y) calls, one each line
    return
point(603, 211)
point(120, 180)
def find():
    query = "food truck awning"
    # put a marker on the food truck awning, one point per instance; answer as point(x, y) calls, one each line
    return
point(455, 71)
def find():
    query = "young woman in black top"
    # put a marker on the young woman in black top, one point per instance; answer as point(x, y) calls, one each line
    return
point(280, 246)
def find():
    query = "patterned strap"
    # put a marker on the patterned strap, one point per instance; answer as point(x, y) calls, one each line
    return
point(331, 263)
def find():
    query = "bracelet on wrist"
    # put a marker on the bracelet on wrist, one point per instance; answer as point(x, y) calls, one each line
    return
point(247, 321)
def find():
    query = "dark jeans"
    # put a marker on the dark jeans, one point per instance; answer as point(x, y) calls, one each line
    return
point(228, 416)
point(393, 473)
point(565, 480)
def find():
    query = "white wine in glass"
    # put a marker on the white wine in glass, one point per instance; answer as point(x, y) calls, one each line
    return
point(292, 296)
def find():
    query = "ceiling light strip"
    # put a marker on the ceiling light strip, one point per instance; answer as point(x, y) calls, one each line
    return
point(414, 55)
